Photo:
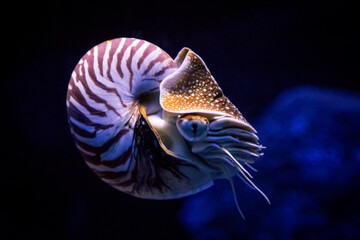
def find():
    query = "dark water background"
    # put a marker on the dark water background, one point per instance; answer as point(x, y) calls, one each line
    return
point(290, 68)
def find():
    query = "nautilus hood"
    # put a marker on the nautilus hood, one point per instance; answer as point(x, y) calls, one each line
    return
point(192, 88)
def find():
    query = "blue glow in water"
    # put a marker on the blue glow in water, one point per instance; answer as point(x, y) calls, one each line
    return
point(298, 125)
point(195, 218)
point(357, 155)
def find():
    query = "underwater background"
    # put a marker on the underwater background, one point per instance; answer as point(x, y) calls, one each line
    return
point(290, 68)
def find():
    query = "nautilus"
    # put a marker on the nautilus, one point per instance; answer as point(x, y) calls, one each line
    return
point(156, 127)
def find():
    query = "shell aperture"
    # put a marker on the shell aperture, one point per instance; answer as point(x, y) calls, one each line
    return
point(154, 127)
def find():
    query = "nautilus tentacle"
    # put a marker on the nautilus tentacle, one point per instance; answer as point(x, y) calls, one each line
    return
point(154, 127)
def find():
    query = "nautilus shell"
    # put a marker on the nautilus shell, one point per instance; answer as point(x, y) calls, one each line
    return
point(154, 127)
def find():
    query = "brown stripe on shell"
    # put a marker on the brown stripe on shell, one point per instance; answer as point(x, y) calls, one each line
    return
point(108, 175)
point(149, 49)
point(96, 160)
point(101, 49)
point(80, 117)
point(91, 71)
point(122, 179)
point(120, 55)
point(76, 94)
point(133, 50)
point(114, 45)
point(77, 114)
point(162, 70)
point(105, 147)
point(82, 78)
point(158, 59)
point(82, 132)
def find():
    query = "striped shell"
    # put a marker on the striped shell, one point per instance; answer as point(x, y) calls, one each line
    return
point(154, 127)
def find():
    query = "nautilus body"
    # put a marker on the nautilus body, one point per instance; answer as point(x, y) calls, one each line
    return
point(154, 127)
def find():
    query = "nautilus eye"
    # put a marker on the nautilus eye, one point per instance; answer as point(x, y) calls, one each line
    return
point(193, 128)
point(124, 100)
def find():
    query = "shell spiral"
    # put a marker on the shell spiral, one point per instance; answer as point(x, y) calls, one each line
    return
point(122, 118)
